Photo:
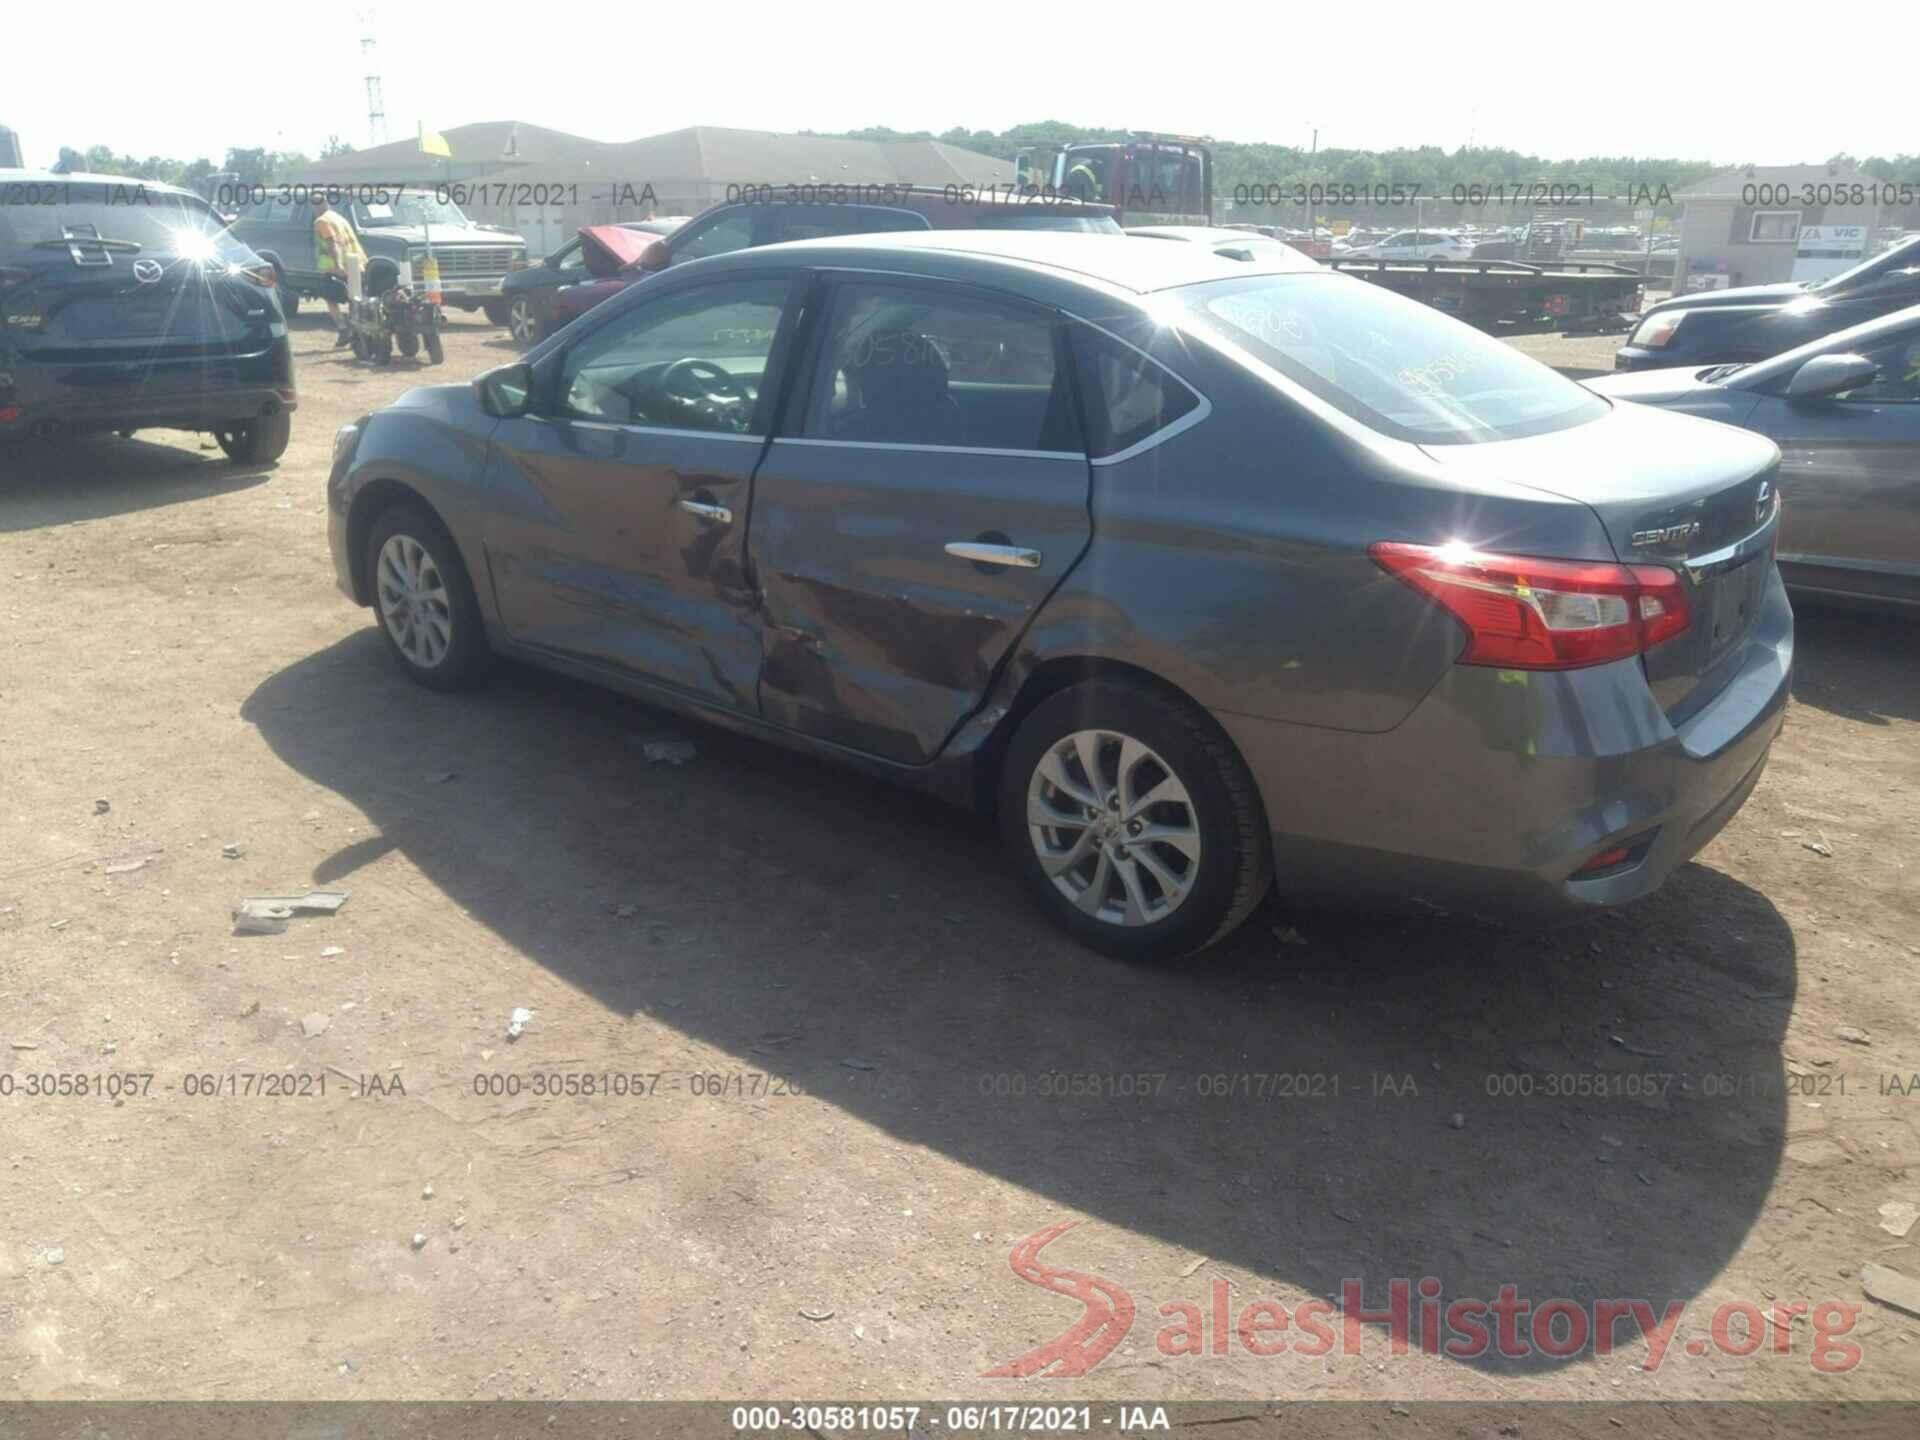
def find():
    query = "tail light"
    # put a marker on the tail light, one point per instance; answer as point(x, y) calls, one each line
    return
point(1528, 614)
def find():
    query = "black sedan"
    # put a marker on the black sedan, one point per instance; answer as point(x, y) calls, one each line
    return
point(1719, 327)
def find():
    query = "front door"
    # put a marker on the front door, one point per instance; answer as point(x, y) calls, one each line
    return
point(642, 461)
point(1849, 479)
point(928, 491)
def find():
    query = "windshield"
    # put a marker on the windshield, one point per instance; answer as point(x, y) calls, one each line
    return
point(1898, 258)
point(1397, 366)
point(409, 208)
point(157, 221)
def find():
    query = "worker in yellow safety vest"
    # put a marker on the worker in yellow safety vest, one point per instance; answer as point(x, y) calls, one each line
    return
point(341, 260)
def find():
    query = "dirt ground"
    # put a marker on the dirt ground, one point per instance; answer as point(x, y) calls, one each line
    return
point(847, 1035)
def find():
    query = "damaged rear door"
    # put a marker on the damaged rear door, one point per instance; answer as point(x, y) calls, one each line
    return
point(926, 494)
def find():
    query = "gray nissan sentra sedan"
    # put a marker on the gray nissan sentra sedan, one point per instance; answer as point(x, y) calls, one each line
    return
point(1200, 573)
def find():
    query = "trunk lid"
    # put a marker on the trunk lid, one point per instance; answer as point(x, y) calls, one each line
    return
point(1692, 495)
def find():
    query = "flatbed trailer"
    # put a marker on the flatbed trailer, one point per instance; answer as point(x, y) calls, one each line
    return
point(1510, 297)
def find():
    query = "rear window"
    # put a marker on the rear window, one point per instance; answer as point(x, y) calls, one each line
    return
point(43, 215)
point(1395, 365)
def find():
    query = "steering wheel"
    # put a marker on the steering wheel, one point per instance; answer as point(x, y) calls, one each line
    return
point(713, 383)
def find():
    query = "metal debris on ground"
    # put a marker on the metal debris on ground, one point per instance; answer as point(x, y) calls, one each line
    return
point(1890, 1287)
point(126, 867)
point(315, 1024)
point(518, 1021)
point(1818, 847)
point(233, 851)
point(56, 1256)
point(1187, 1270)
point(419, 1241)
point(1897, 1217)
point(1853, 1034)
point(268, 914)
point(331, 952)
point(1635, 1049)
point(668, 752)
point(816, 1315)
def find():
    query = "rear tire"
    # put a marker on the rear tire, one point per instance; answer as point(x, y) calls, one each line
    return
point(257, 442)
point(423, 600)
point(409, 344)
point(1128, 874)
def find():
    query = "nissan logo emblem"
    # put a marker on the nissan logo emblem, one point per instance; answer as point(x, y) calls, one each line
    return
point(146, 271)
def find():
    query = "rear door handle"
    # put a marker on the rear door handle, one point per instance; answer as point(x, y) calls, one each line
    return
point(982, 553)
point(718, 514)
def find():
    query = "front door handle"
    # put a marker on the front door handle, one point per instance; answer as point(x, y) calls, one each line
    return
point(718, 514)
point(982, 553)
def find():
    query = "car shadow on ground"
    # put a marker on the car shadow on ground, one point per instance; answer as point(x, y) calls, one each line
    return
point(95, 476)
point(1856, 662)
point(1582, 1112)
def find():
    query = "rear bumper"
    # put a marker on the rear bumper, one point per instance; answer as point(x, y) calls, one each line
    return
point(183, 394)
point(1502, 784)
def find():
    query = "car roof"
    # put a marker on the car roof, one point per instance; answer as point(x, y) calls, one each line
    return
point(1113, 260)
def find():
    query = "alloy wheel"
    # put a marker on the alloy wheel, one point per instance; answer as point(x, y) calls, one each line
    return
point(520, 322)
point(1113, 828)
point(414, 604)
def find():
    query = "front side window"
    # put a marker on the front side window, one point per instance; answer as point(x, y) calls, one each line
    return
point(1899, 379)
point(690, 361)
point(1397, 366)
point(728, 233)
point(914, 366)
point(573, 258)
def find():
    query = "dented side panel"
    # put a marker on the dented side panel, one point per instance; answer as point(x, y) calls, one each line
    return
point(875, 636)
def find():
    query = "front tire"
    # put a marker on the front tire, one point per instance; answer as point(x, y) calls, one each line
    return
point(1134, 820)
point(423, 599)
point(256, 442)
point(436, 349)
point(523, 322)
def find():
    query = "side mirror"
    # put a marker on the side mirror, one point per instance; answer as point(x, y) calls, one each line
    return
point(506, 391)
point(656, 256)
point(1827, 375)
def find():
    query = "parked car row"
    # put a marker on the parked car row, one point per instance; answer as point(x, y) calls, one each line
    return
point(1201, 569)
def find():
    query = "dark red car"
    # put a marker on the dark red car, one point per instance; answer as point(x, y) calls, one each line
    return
point(617, 257)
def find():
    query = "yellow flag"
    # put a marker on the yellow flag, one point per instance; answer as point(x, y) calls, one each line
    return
point(432, 142)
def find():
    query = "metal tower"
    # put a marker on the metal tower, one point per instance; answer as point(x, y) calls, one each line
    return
point(376, 104)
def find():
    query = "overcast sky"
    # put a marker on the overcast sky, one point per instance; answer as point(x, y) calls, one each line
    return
point(1558, 81)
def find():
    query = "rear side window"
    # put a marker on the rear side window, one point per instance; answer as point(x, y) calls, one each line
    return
point(908, 365)
point(1038, 217)
point(1127, 397)
point(813, 222)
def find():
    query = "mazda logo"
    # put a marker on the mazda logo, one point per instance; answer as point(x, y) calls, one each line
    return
point(147, 272)
point(1760, 501)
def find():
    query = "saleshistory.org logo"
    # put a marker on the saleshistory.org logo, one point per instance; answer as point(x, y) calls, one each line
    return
point(1415, 1315)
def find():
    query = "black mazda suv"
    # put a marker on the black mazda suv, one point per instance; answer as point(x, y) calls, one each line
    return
point(126, 304)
